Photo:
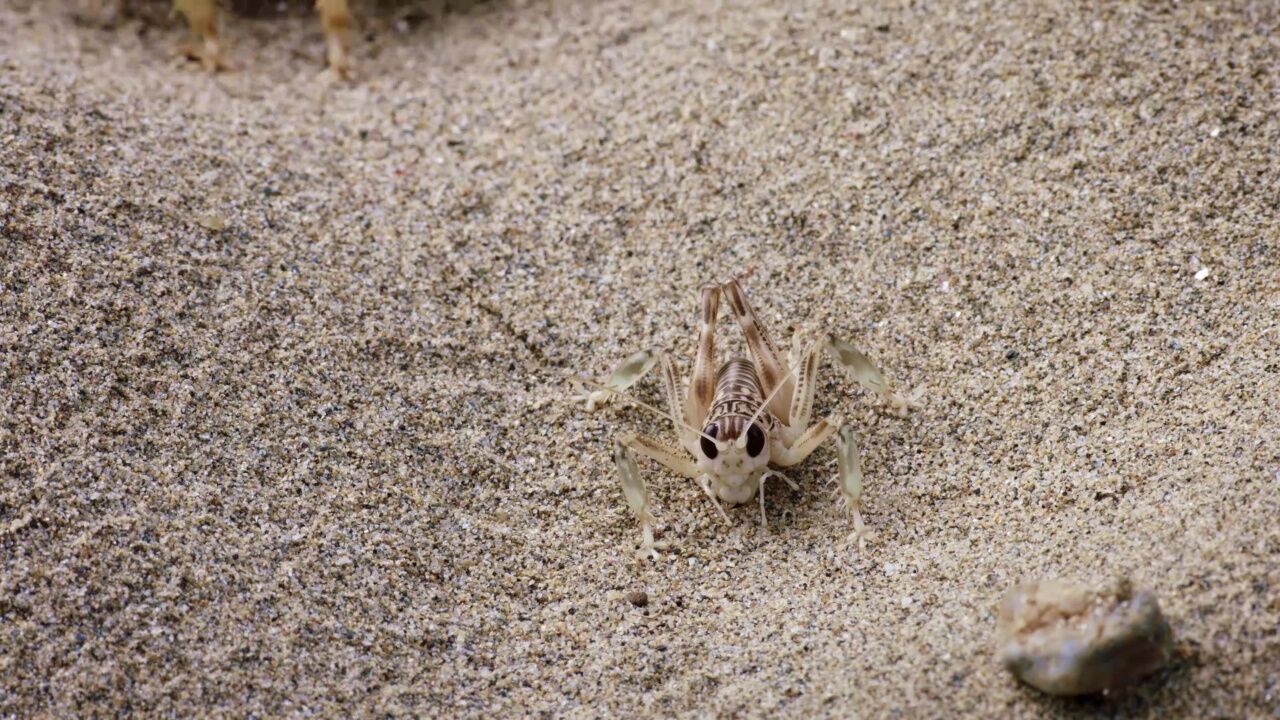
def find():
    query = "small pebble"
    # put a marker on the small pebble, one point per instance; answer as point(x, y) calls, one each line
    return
point(212, 221)
point(1067, 640)
point(639, 598)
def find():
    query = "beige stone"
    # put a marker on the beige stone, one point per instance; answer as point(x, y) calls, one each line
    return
point(1067, 640)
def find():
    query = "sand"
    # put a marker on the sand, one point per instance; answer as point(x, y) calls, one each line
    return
point(283, 421)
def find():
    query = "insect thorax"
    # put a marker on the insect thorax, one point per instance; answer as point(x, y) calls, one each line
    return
point(738, 396)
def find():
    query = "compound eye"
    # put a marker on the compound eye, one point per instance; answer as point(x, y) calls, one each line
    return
point(755, 440)
point(708, 447)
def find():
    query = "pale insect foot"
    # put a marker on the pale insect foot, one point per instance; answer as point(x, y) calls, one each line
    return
point(649, 547)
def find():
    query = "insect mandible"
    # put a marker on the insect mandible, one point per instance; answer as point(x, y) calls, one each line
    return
point(740, 418)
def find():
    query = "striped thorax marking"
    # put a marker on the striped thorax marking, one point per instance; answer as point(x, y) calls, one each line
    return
point(738, 397)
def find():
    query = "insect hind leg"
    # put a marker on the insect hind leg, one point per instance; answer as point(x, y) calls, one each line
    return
point(702, 388)
point(770, 365)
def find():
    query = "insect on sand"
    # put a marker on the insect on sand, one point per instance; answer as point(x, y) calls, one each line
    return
point(742, 417)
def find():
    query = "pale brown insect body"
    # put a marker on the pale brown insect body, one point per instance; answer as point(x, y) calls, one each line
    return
point(741, 417)
point(737, 424)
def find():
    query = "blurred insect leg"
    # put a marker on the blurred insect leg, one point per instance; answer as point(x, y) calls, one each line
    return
point(784, 455)
point(637, 495)
point(868, 375)
point(335, 18)
point(769, 363)
point(849, 481)
point(626, 375)
point(202, 18)
point(702, 389)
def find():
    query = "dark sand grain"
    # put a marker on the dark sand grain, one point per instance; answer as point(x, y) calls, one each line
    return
point(282, 426)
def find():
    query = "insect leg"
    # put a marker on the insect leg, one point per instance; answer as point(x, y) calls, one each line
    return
point(770, 365)
point(202, 17)
point(673, 460)
point(671, 391)
point(784, 455)
point(764, 520)
point(849, 481)
point(807, 363)
point(335, 18)
point(867, 374)
point(849, 475)
point(637, 495)
point(633, 487)
point(626, 375)
point(629, 373)
point(702, 388)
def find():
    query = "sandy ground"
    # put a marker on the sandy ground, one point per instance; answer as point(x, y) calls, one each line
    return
point(283, 426)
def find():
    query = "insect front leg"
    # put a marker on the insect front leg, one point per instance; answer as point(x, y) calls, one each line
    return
point(849, 476)
point(677, 462)
point(634, 488)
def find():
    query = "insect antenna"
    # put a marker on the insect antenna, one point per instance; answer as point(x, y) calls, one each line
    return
point(646, 406)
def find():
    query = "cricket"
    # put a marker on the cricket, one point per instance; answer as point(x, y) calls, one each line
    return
point(742, 419)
